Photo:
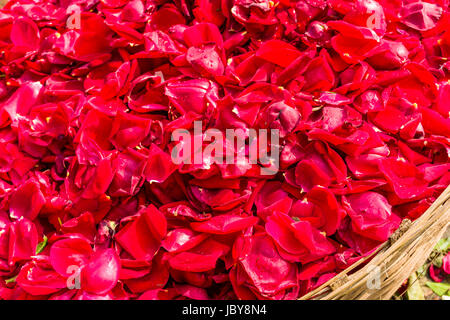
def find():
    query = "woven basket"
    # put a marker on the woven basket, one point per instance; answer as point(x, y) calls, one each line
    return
point(383, 272)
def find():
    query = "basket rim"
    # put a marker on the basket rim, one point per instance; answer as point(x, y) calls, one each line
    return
point(436, 218)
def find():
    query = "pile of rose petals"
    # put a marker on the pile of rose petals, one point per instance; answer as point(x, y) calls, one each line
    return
point(91, 205)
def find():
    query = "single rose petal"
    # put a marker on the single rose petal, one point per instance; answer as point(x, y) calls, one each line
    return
point(142, 237)
point(298, 241)
point(159, 165)
point(38, 278)
point(265, 268)
point(27, 201)
point(69, 255)
point(101, 272)
point(83, 224)
point(371, 215)
point(23, 240)
point(199, 259)
point(420, 15)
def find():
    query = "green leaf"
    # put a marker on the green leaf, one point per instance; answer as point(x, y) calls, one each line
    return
point(439, 288)
point(443, 245)
point(11, 280)
point(41, 246)
point(414, 291)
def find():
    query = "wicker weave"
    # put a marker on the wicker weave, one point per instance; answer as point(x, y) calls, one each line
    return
point(393, 262)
